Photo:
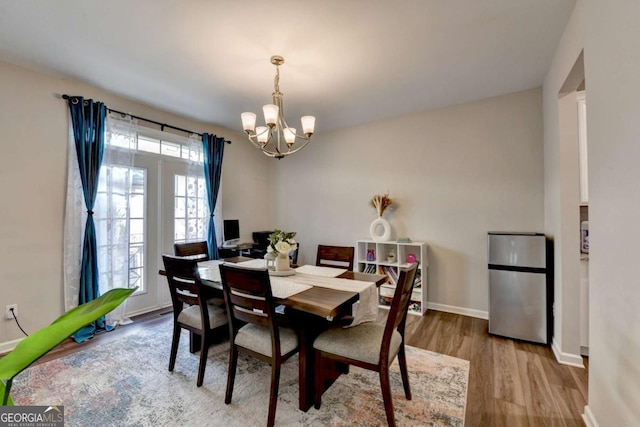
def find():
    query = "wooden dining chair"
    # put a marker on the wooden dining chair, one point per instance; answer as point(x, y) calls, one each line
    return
point(335, 256)
point(254, 327)
point(371, 346)
point(191, 310)
point(293, 255)
point(194, 250)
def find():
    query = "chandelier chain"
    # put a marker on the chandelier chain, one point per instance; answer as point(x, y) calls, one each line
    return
point(276, 80)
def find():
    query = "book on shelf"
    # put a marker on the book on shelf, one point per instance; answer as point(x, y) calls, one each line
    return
point(417, 283)
point(390, 272)
point(370, 269)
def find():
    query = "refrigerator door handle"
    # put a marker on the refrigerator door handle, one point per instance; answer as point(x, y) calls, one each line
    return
point(516, 268)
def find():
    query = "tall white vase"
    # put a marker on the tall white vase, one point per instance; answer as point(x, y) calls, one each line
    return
point(380, 230)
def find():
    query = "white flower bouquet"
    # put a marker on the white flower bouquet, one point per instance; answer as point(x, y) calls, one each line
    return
point(282, 242)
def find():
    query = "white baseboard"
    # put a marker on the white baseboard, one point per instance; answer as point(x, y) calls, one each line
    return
point(6, 347)
point(146, 310)
point(458, 310)
point(588, 417)
point(562, 358)
point(566, 358)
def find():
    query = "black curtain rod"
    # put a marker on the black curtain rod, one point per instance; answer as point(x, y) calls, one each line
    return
point(162, 125)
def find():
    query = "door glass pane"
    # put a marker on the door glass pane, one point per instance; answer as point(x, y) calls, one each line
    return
point(190, 212)
point(121, 226)
point(180, 230)
point(181, 185)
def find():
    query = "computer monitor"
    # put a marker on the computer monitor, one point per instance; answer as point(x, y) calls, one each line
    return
point(231, 231)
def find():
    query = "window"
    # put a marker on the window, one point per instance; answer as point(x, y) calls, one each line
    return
point(178, 147)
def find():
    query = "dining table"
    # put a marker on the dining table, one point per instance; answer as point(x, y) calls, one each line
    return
point(326, 296)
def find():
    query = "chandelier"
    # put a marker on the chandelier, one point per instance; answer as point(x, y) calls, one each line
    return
point(277, 139)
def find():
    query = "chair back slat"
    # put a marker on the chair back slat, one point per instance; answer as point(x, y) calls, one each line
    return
point(195, 250)
point(250, 307)
point(182, 275)
point(247, 293)
point(335, 256)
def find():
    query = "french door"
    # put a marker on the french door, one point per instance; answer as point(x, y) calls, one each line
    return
point(174, 210)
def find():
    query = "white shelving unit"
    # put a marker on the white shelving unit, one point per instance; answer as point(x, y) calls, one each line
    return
point(373, 257)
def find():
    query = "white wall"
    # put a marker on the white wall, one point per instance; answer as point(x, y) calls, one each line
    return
point(453, 173)
point(33, 165)
point(562, 214)
point(612, 66)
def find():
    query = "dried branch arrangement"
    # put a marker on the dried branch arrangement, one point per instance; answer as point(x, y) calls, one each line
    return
point(380, 202)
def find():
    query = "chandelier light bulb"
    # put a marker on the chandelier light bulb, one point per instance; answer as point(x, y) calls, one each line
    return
point(270, 114)
point(262, 132)
point(290, 135)
point(248, 121)
point(308, 124)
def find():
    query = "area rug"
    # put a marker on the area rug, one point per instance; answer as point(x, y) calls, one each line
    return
point(126, 383)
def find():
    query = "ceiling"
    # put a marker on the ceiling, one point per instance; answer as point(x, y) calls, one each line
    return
point(347, 62)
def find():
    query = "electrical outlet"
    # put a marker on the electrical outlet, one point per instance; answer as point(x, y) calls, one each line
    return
point(7, 312)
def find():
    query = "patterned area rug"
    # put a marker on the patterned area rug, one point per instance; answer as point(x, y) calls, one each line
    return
point(126, 383)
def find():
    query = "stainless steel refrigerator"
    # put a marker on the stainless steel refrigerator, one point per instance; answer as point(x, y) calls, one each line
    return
point(520, 286)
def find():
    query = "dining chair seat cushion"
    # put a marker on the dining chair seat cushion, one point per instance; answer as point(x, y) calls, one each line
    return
point(360, 342)
point(216, 301)
point(258, 338)
point(191, 316)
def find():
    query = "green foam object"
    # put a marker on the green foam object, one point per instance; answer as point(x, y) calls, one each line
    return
point(41, 342)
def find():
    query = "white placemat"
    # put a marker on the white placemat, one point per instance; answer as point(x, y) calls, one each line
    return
point(210, 270)
point(320, 271)
point(253, 263)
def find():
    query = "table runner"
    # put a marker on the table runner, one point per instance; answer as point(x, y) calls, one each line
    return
point(364, 310)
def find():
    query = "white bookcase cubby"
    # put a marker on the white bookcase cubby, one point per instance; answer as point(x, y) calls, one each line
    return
point(385, 258)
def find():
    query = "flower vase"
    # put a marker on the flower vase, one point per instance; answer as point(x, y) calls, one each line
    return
point(282, 262)
point(270, 259)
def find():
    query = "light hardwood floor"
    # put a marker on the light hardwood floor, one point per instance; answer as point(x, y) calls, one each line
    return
point(511, 383)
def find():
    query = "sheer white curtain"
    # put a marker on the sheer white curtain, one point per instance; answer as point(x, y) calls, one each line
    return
point(113, 209)
point(75, 216)
point(111, 214)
